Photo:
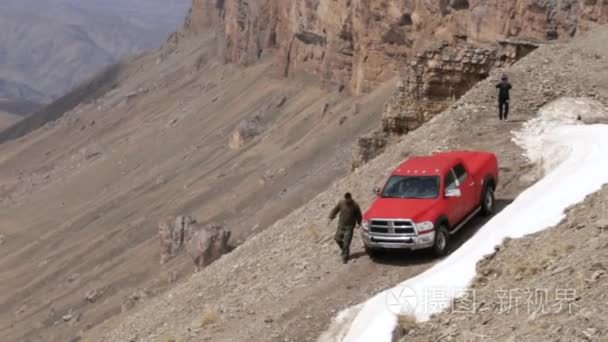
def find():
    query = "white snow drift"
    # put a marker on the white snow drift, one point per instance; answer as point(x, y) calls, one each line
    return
point(573, 158)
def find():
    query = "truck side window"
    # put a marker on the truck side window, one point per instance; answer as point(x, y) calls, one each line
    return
point(461, 173)
point(450, 181)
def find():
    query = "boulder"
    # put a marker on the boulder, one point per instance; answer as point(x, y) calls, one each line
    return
point(207, 244)
point(92, 295)
point(137, 297)
point(245, 131)
point(172, 237)
point(204, 244)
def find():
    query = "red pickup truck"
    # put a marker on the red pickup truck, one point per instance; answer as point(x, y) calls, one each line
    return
point(427, 199)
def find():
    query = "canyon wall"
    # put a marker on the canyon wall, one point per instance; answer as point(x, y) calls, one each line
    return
point(357, 44)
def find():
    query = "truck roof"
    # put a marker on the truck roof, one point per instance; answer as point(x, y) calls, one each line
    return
point(435, 164)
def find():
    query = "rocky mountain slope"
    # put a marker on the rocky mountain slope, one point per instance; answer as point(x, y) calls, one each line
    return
point(157, 145)
point(85, 182)
point(48, 47)
point(286, 283)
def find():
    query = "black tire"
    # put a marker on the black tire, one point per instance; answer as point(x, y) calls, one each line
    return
point(442, 241)
point(487, 201)
point(372, 252)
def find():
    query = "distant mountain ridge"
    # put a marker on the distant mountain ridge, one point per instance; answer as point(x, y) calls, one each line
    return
point(47, 47)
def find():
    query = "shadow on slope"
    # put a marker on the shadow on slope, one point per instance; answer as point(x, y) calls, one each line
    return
point(19, 107)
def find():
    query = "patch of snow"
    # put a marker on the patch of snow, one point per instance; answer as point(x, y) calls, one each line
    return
point(341, 324)
point(574, 159)
point(561, 112)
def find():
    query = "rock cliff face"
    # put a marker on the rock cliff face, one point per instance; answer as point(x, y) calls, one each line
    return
point(430, 83)
point(357, 44)
point(439, 76)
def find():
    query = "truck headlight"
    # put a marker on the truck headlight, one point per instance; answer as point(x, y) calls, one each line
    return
point(365, 225)
point(424, 227)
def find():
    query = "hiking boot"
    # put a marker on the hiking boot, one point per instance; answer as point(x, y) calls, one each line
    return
point(344, 260)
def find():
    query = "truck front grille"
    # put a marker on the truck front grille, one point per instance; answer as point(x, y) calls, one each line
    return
point(400, 227)
point(405, 231)
point(379, 230)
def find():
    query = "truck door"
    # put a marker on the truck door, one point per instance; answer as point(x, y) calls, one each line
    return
point(468, 188)
point(453, 204)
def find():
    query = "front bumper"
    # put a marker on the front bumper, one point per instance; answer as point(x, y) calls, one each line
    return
point(395, 241)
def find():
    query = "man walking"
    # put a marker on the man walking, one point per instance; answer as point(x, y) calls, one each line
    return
point(503, 97)
point(350, 217)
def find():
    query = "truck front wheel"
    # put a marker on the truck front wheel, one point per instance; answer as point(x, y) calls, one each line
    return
point(442, 240)
point(372, 252)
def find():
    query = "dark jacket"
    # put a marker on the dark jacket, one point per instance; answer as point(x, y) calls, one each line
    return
point(503, 91)
point(350, 213)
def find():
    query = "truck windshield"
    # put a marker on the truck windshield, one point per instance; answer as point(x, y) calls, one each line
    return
point(412, 187)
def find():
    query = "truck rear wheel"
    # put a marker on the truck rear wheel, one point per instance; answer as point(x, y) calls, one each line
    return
point(442, 241)
point(487, 201)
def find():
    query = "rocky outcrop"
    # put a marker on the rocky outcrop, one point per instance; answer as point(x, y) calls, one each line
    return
point(434, 79)
point(172, 237)
point(509, 51)
point(244, 28)
point(368, 147)
point(203, 244)
point(93, 295)
point(358, 44)
point(244, 132)
point(439, 76)
point(207, 244)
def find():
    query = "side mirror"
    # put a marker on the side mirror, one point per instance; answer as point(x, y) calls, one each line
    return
point(377, 191)
point(453, 193)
